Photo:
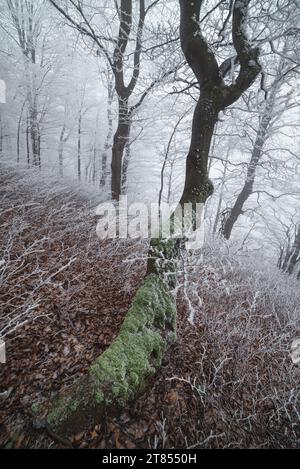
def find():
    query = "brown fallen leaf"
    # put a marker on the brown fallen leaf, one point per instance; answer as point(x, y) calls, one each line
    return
point(77, 438)
point(93, 434)
point(172, 396)
point(129, 444)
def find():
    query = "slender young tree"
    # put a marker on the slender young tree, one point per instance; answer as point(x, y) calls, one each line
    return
point(270, 115)
point(290, 254)
point(108, 143)
point(63, 138)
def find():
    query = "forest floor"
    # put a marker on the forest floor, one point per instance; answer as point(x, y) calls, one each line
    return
point(63, 297)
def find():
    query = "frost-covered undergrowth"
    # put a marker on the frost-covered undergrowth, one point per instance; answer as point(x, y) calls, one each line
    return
point(238, 315)
point(49, 251)
point(38, 216)
point(246, 315)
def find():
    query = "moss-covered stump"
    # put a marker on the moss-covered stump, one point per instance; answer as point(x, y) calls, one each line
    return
point(123, 370)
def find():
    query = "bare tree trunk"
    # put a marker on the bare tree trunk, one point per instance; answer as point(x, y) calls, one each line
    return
point(94, 153)
point(261, 138)
point(218, 213)
point(27, 142)
point(1, 136)
point(79, 146)
point(120, 139)
point(107, 144)
point(125, 164)
point(292, 255)
point(19, 131)
point(61, 150)
point(34, 134)
point(94, 171)
point(166, 157)
point(247, 189)
point(170, 181)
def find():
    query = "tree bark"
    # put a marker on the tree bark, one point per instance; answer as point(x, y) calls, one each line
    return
point(292, 255)
point(217, 218)
point(27, 142)
point(79, 146)
point(107, 144)
point(61, 150)
point(19, 131)
point(120, 140)
point(34, 134)
point(126, 161)
point(1, 136)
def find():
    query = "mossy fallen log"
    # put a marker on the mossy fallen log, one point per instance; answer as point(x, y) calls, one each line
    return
point(122, 372)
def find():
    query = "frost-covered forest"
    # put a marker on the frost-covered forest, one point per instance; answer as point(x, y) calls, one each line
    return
point(150, 339)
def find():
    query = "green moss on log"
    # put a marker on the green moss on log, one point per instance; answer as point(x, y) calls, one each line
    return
point(124, 369)
point(163, 259)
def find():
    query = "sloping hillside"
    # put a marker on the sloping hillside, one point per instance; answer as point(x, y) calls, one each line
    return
point(227, 382)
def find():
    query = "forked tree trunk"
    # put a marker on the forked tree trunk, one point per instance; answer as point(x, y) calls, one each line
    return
point(124, 369)
point(123, 88)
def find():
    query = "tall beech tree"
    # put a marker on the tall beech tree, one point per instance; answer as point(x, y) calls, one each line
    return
point(215, 95)
point(123, 370)
point(118, 63)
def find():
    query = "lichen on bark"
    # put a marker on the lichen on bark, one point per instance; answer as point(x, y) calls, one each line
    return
point(124, 369)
